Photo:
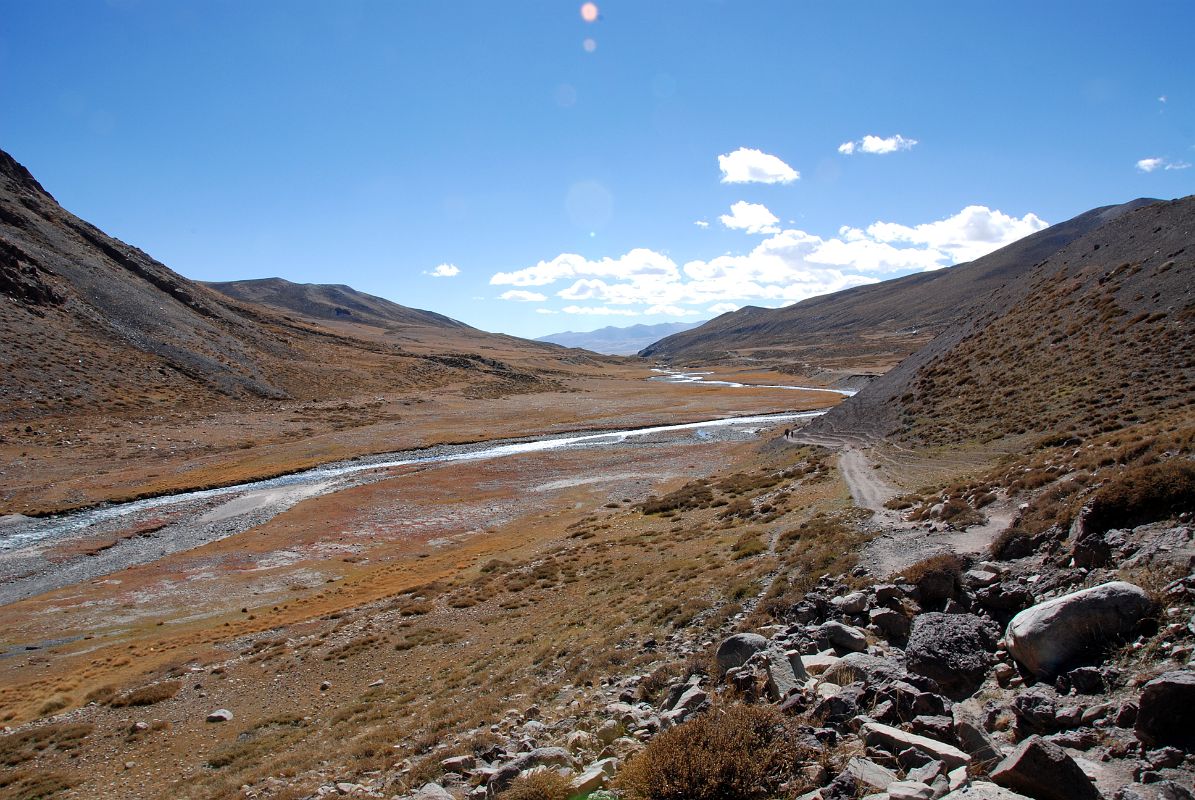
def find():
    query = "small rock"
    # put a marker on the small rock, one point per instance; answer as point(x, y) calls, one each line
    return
point(377, 683)
point(870, 774)
point(734, 651)
point(853, 603)
point(220, 715)
point(325, 686)
point(982, 790)
point(909, 790)
point(895, 740)
point(1166, 715)
point(1044, 771)
point(843, 637)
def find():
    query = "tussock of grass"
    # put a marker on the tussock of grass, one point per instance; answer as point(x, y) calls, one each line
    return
point(731, 753)
point(147, 695)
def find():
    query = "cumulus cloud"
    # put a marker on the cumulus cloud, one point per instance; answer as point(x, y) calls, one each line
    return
point(750, 217)
point(601, 311)
point(700, 223)
point(639, 262)
point(747, 165)
point(786, 266)
point(877, 145)
point(1151, 164)
point(444, 271)
point(523, 296)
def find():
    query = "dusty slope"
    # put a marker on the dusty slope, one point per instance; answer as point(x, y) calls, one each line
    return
point(1096, 337)
point(871, 328)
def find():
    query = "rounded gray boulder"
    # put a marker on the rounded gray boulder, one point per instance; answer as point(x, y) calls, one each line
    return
point(735, 650)
point(1056, 634)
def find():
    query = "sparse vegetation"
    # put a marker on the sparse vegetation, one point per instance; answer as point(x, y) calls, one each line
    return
point(736, 752)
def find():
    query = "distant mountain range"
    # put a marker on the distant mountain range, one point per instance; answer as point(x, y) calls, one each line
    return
point(617, 341)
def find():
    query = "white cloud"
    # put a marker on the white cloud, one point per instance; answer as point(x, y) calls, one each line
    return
point(877, 145)
point(544, 311)
point(786, 266)
point(1151, 164)
point(700, 223)
point(601, 311)
point(973, 232)
point(750, 217)
point(669, 310)
point(746, 165)
point(523, 296)
point(444, 271)
point(638, 263)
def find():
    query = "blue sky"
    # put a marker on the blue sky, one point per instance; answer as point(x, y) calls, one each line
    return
point(370, 143)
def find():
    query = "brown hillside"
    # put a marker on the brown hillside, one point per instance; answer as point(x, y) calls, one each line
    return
point(89, 324)
point(871, 328)
point(1097, 337)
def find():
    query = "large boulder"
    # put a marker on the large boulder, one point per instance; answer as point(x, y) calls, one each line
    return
point(955, 650)
point(1043, 770)
point(734, 651)
point(1166, 714)
point(1056, 634)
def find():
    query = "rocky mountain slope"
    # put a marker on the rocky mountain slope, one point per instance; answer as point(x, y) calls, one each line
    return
point(872, 328)
point(613, 340)
point(331, 302)
point(1094, 338)
point(90, 324)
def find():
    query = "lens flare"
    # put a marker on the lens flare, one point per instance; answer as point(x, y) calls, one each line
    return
point(589, 12)
point(590, 45)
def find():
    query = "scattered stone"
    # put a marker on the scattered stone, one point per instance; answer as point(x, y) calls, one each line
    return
point(220, 715)
point(895, 740)
point(376, 683)
point(953, 649)
point(853, 603)
point(982, 790)
point(870, 774)
point(893, 624)
point(1166, 715)
point(325, 686)
point(1036, 711)
point(1043, 770)
point(1055, 634)
point(909, 790)
point(844, 637)
point(734, 651)
point(863, 667)
point(818, 663)
point(429, 791)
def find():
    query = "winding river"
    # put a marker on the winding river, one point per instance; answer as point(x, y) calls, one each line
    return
point(183, 521)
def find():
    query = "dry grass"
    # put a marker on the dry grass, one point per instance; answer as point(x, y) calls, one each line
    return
point(735, 752)
point(147, 695)
point(541, 785)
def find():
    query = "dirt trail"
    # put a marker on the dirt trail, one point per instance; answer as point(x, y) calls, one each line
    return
point(900, 542)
